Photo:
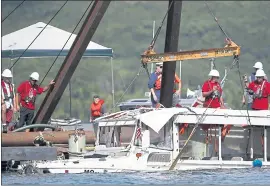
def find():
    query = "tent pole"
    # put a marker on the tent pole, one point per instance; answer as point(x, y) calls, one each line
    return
point(112, 84)
point(69, 99)
point(153, 35)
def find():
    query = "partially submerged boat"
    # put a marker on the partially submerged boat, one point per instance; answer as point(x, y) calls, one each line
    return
point(155, 142)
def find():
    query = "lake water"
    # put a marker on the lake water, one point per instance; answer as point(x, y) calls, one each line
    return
point(232, 176)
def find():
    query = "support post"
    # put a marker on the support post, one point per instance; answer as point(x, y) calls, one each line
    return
point(219, 144)
point(112, 84)
point(265, 144)
point(251, 143)
point(171, 45)
point(71, 61)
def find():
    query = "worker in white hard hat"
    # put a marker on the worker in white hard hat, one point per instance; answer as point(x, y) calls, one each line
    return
point(26, 97)
point(247, 99)
point(260, 91)
point(8, 101)
point(212, 92)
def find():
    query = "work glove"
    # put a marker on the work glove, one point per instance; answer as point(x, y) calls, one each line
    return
point(250, 92)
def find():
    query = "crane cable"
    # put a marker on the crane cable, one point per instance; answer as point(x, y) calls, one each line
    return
point(236, 59)
point(12, 11)
point(216, 20)
point(38, 34)
point(66, 42)
point(153, 42)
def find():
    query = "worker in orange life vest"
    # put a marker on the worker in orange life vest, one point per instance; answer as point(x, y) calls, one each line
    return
point(97, 109)
point(154, 84)
point(8, 102)
point(212, 92)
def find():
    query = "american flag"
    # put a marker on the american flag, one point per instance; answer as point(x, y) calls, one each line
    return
point(138, 133)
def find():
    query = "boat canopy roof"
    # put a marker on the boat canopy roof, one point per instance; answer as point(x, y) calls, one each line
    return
point(157, 119)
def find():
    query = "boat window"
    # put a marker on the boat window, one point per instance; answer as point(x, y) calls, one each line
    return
point(117, 136)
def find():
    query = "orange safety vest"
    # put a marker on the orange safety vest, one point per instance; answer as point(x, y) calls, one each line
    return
point(96, 108)
point(158, 82)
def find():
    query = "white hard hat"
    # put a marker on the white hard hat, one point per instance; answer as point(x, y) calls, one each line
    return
point(260, 73)
point(34, 76)
point(258, 65)
point(7, 73)
point(159, 64)
point(214, 73)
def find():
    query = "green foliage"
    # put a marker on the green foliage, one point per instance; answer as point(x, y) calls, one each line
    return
point(127, 28)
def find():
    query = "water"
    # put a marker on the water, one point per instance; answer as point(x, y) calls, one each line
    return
point(229, 176)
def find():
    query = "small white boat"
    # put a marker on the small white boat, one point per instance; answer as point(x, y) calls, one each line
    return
point(156, 142)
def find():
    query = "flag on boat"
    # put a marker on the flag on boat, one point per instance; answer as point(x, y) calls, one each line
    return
point(138, 132)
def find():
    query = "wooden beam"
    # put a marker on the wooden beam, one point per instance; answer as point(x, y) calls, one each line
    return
point(71, 61)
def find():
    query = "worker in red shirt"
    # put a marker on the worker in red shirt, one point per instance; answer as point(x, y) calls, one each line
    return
point(97, 109)
point(8, 103)
point(212, 92)
point(26, 97)
point(260, 90)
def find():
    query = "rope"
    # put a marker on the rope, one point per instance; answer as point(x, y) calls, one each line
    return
point(39, 34)
point(200, 120)
point(66, 42)
point(12, 11)
point(215, 18)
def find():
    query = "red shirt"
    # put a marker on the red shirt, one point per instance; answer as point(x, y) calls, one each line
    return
point(208, 86)
point(260, 103)
point(28, 94)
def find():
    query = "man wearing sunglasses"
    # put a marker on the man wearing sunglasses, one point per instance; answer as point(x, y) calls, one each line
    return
point(26, 97)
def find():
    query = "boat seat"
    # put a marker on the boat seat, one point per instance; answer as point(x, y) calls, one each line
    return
point(237, 159)
point(214, 158)
point(95, 156)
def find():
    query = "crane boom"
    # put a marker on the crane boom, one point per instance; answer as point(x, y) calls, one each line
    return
point(231, 49)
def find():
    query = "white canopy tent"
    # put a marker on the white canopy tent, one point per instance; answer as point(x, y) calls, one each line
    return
point(48, 44)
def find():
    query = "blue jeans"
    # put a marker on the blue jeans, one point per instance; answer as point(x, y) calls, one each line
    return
point(249, 106)
point(154, 103)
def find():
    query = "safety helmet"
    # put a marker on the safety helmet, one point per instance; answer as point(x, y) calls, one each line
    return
point(258, 65)
point(159, 64)
point(7, 73)
point(34, 76)
point(260, 73)
point(214, 73)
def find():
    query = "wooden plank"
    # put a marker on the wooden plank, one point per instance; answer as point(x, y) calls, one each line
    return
point(29, 153)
